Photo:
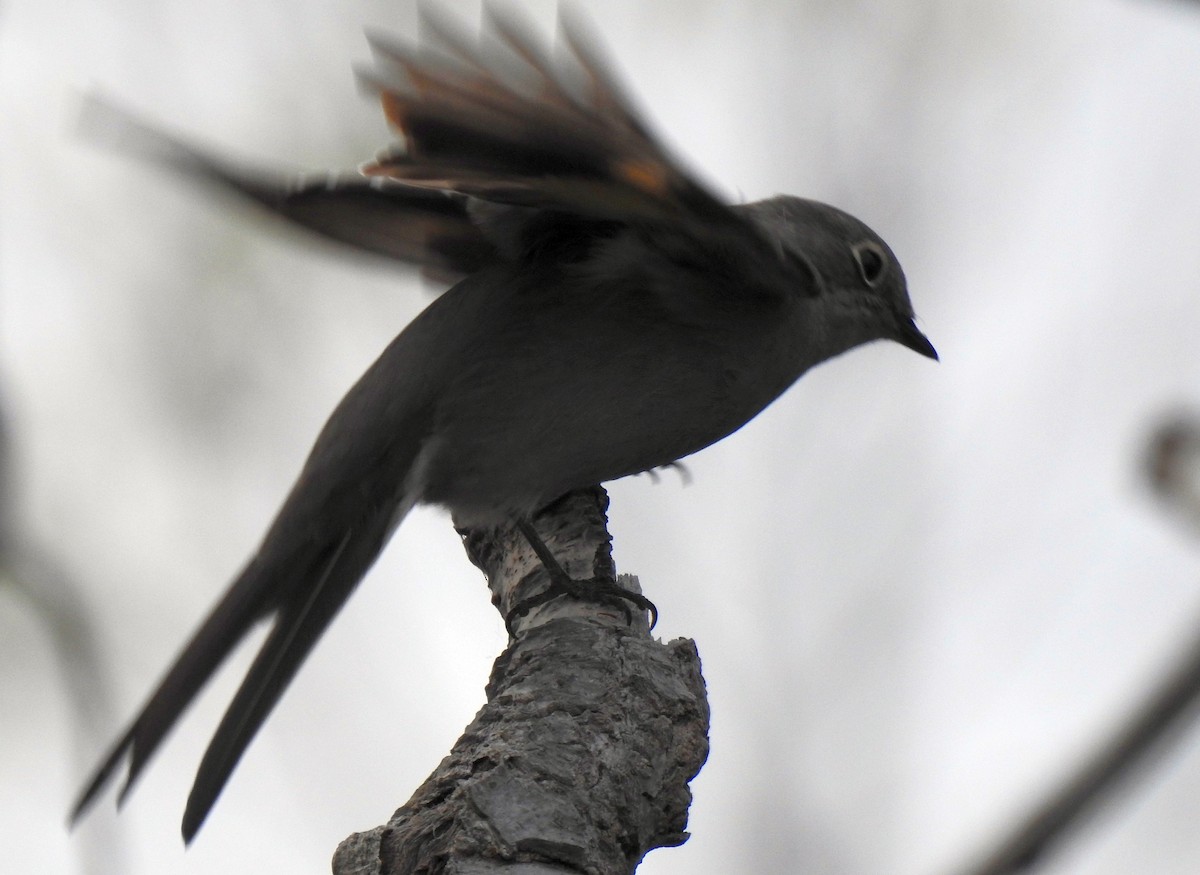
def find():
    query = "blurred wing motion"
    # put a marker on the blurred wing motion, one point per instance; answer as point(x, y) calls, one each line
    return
point(481, 140)
point(430, 229)
point(514, 129)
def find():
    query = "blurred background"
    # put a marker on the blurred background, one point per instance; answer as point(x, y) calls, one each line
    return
point(922, 593)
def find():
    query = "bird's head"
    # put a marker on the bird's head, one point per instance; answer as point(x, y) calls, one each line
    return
point(852, 281)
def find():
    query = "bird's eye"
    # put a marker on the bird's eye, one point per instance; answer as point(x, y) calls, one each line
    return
point(871, 261)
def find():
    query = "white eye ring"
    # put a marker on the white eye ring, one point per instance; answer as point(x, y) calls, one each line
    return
point(872, 262)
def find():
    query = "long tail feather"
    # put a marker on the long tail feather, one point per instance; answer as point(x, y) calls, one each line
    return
point(246, 602)
point(296, 630)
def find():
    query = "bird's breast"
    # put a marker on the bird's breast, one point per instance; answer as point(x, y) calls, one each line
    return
point(574, 393)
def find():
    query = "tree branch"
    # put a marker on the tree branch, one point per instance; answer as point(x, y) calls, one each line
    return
point(580, 760)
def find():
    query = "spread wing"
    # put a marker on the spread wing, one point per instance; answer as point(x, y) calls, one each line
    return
point(431, 229)
point(499, 120)
point(502, 149)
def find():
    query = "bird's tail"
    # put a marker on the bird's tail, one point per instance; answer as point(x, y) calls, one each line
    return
point(246, 602)
point(298, 626)
point(330, 572)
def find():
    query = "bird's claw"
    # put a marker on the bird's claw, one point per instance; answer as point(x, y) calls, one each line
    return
point(601, 590)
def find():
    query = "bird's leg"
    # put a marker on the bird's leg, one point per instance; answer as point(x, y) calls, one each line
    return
point(603, 590)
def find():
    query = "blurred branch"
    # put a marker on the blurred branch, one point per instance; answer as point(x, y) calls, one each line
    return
point(54, 597)
point(1082, 794)
point(1172, 468)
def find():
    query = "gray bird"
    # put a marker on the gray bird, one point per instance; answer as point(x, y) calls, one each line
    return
point(611, 316)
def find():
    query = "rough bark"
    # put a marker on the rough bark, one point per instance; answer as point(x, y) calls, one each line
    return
point(580, 760)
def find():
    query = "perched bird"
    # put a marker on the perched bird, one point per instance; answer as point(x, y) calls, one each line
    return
point(611, 316)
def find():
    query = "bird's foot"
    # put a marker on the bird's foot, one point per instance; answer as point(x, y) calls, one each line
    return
point(600, 590)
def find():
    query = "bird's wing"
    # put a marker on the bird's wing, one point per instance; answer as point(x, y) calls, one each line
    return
point(431, 229)
point(502, 122)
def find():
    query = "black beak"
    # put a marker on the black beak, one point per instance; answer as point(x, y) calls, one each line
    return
point(909, 335)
